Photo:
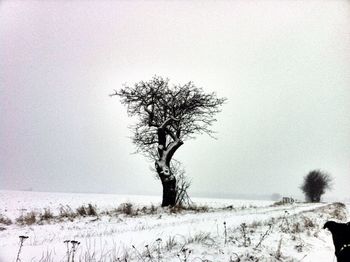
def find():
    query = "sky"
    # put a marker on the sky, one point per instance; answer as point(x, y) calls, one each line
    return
point(284, 67)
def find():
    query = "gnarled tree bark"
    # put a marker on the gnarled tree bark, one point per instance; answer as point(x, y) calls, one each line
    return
point(166, 152)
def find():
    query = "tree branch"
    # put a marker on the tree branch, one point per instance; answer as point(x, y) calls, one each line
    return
point(168, 115)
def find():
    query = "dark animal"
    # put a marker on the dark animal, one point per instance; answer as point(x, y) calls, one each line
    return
point(341, 239)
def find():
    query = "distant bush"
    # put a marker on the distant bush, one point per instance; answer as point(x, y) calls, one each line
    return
point(153, 209)
point(66, 212)
point(315, 184)
point(27, 219)
point(89, 210)
point(5, 220)
point(127, 209)
point(81, 211)
point(46, 215)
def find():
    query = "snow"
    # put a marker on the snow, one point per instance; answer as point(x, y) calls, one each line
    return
point(15, 203)
point(202, 233)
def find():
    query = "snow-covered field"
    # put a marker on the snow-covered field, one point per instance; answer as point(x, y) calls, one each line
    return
point(228, 230)
point(14, 203)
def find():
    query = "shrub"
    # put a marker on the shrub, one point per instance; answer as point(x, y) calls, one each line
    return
point(153, 209)
point(27, 219)
point(47, 215)
point(91, 210)
point(127, 209)
point(66, 212)
point(5, 220)
point(81, 211)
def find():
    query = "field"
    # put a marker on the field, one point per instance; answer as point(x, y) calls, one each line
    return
point(134, 228)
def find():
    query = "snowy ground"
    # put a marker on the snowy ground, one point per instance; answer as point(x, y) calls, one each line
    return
point(15, 203)
point(248, 230)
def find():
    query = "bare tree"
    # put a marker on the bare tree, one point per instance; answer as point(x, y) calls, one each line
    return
point(315, 184)
point(167, 116)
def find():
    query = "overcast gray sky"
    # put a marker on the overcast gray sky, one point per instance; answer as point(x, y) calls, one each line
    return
point(284, 67)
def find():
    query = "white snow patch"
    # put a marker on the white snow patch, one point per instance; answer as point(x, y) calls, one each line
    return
point(202, 233)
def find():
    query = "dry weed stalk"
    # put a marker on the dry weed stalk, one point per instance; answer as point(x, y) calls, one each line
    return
point(21, 241)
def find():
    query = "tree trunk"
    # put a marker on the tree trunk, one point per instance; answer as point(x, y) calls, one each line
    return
point(169, 192)
point(168, 183)
point(166, 152)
